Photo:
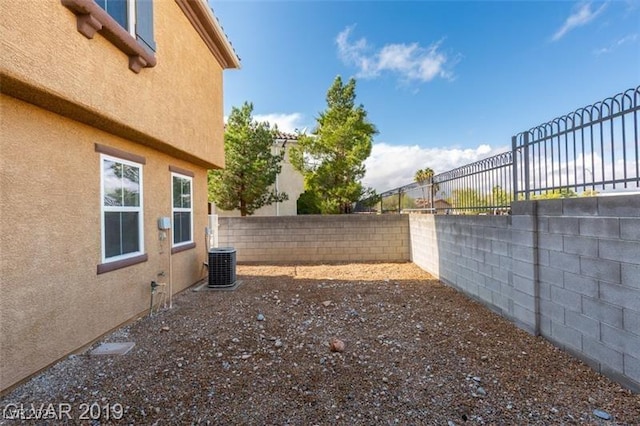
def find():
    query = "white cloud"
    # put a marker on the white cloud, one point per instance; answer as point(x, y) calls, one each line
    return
point(581, 15)
point(392, 166)
point(631, 38)
point(286, 122)
point(409, 61)
point(355, 53)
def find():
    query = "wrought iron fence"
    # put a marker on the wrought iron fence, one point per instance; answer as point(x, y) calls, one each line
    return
point(548, 161)
point(592, 149)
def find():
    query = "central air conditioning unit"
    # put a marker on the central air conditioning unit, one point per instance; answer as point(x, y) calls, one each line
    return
point(222, 267)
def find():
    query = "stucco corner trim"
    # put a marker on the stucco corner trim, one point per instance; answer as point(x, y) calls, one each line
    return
point(207, 26)
point(119, 264)
point(185, 247)
point(91, 18)
point(115, 152)
point(181, 171)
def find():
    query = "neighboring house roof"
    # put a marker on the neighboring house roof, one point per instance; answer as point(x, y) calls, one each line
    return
point(285, 137)
point(281, 136)
point(441, 203)
point(209, 28)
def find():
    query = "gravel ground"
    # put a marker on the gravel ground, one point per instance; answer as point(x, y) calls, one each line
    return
point(415, 352)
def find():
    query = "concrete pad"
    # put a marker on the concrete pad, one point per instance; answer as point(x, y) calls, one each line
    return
point(119, 348)
point(205, 286)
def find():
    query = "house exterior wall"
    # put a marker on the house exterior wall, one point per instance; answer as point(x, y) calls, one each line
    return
point(291, 182)
point(53, 302)
point(62, 95)
point(175, 107)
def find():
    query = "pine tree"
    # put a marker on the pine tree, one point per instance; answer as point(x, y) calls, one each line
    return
point(250, 171)
point(332, 157)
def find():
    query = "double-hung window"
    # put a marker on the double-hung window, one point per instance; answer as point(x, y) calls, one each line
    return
point(122, 221)
point(135, 16)
point(182, 190)
point(127, 24)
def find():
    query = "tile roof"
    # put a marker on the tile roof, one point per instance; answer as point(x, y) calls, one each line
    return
point(284, 136)
point(280, 136)
point(225, 34)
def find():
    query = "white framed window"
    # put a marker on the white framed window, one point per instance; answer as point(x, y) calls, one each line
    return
point(135, 16)
point(121, 209)
point(182, 195)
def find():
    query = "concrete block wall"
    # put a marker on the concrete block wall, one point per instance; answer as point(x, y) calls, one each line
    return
point(566, 269)
point(424, 242)
point(482, 257)
point(524, 270)
point(315, 238)
point(589, 281)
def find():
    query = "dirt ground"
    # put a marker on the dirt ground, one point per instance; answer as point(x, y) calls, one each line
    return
point(415, 353)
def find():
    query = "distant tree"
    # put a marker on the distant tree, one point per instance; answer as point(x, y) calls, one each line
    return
point(555, 194)
point(391, 203)
point(246, 182)
point(332, 157)
point(589, 193)
point(499, 197)
point(468, 199)
point(308, 203)
point(424, 177)
point(408, 202)
point(370, 200)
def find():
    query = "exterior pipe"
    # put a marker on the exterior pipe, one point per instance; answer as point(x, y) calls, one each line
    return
point(154, 285)
point(171, 274)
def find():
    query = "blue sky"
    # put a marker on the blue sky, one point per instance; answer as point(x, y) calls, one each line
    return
point(445, 83)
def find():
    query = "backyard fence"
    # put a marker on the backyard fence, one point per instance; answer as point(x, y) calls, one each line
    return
point(592, 150)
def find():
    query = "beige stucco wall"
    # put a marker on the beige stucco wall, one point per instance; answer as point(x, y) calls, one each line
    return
point(53, 302)
point(289, 181)
point(175, 106)
point(61, 94)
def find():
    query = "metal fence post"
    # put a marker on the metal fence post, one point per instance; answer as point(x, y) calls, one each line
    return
point(526, 165)
point(514, 161)
point(431, 195)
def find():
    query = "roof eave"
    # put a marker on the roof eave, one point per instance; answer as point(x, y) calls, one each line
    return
point(209, 29)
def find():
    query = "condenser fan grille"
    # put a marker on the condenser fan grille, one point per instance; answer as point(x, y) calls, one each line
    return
point(222, 267)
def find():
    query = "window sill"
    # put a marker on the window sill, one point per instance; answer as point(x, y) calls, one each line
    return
point(92, 18)
point(119, 264)
point(185, 247)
